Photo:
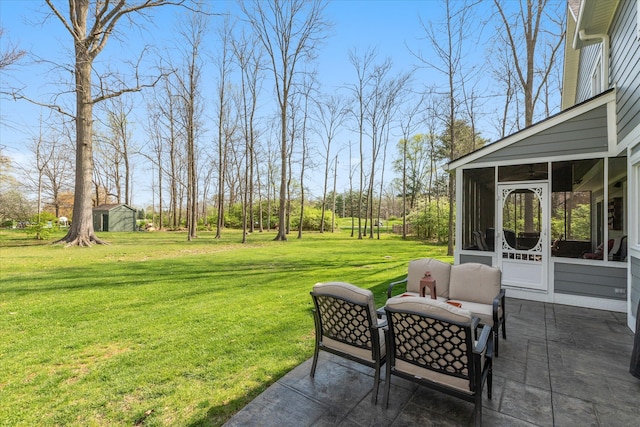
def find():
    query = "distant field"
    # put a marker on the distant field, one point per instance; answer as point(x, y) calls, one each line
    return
point(154, 329)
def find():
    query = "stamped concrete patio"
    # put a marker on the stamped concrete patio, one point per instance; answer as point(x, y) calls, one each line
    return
point(560, 366)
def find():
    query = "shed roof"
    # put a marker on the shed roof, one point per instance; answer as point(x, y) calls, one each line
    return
point(111, 206)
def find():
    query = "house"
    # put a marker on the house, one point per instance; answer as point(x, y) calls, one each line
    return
point(556, 206)
point(114, 217)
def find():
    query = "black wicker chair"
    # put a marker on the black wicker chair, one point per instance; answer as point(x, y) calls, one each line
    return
point(434, 344)
point(347, 325)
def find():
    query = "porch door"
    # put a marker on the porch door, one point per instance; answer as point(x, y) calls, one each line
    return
point(522, 237)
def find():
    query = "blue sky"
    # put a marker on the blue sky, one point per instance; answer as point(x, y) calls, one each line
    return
point(388, 26)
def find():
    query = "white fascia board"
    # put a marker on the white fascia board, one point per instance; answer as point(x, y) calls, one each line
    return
point(563, 158)
point(576, 36)
point(563, 116)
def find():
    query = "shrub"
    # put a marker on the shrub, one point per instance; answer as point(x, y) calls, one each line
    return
point(41, 226)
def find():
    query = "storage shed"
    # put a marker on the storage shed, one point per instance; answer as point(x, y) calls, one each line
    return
point(114, 217)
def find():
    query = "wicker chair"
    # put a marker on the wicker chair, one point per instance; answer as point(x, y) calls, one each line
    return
point(347, 325)
point(434, 344)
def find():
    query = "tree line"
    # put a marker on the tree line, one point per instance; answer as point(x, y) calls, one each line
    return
point(273, 125)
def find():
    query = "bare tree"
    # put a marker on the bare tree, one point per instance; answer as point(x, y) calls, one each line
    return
point(447, 41)
point(525, 27)
point(59, 170)
point(331, 115)
point(223, 115)
point(118, 125)
point(362, 65)
point(10, 53)
point(42, 153)
point(248, 56)
point(290, 31)
point(192, 31)
point(307, 90)
point(408, 125)
point(90, 25)
point(386, 91)
point(156, 145)
point(506, 120)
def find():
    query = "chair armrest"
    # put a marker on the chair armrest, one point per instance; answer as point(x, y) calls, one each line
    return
point(498, 302)
point(483, 341)
point(392, 284)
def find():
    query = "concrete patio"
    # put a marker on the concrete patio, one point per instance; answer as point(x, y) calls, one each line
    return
point(560, 366)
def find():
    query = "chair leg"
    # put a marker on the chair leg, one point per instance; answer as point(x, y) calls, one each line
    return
point(387, 386)
point(376, 383)
point(315, 361)
point(490, 381)
point(495, 340)
point(478, 411)
point(504, 328)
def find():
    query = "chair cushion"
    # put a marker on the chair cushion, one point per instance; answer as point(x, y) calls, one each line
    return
point(440, 271)
point(461, 384)
point(482, 311)
point(362, 353)
point(416, 294)
point(350, 292)
point(427, 306)
point(474, 282)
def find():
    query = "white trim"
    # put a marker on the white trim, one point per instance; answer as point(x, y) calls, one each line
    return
point(597, 81)
point(458, 230)
point(612, 130)
point(633, 209)
point(527, 294)
point(589, 302)
point(512, 162)
point(537, 128)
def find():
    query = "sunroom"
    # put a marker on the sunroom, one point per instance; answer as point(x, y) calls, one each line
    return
point(548, 206)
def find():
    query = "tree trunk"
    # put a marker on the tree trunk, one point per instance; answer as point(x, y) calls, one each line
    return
point(81, 232)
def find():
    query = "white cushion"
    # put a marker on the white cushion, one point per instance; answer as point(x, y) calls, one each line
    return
point(362, 353)
point(439, 270)
point(350, 292)
point(474, 282)
point(482, 311)
point(428, 306)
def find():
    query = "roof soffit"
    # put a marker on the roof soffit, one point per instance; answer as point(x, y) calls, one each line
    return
point(594, 17)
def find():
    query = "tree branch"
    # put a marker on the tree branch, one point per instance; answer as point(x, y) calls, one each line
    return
point(17, 95)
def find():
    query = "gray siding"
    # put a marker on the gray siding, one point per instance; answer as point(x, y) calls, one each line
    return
point(635, 285)
point(625, 67)
point(464, 258)
point(588, 56)
point(586, 133)
point(590, 280)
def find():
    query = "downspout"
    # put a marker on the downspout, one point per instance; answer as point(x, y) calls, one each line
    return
point(605, 53)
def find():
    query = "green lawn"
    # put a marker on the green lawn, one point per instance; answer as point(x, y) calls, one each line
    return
point(156, 330)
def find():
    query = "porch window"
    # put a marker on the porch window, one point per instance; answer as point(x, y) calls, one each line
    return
point(528, 172)
point(576, 207)
point(478, 209)
point(587, 221)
